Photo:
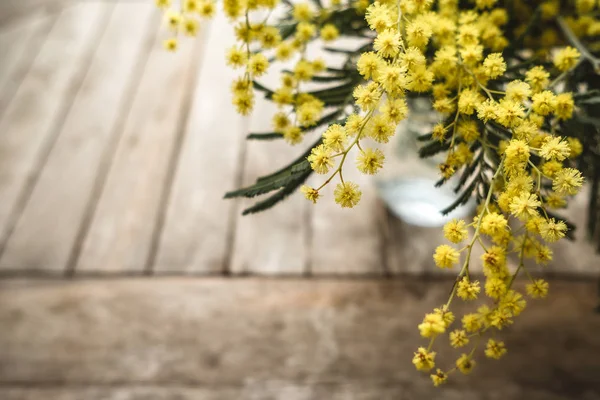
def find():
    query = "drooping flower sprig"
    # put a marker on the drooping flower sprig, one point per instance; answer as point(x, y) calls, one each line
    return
point(507, 79)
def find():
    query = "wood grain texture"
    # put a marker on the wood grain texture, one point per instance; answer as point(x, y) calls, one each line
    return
point(120, 235)
point(265, 338)
point(198, 220)
point(273, 241)
point(19, 45)
point(29, 125)
point(45, 234)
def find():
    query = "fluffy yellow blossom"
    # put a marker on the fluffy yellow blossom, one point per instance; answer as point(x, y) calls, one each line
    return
point(321, 159)
point(509, 113)
point(471, 322)
point(190, 26)
point(432, 325)
point(310, 193)
point(513, 302)
point(493, 224)
point(369, 64)
point(420, 79)
point(292, 135)
point(393, 79)
point(243, 102)
point(446, 256)
point(173, 19)
point(458, 338)
point(387, 43)
point(418, 33)
point(468, 101)
point(456, 231)
point(555, 149)
point(494, 259)
point(284, 51)
point(380, 129)
point(170, 44)
point(525, 206)
point(537, 289)
point(500, 318)
point(379, 17)
point(302, 12)
point(495, 349)
point(258, 65)
point(487, 110)
point(347, 194)
point(468, 290)
point(367, 96)
point(439, 378)
point(270, 37)
point(394, 110)
point(280, 121)
point(566, 58)
point(447, 316)
point(518, 91)
point(552, 230)
point(329, 32)
point(544, 103)
point(335, 137)
point(575, 146)
point(495, 288)
point(207, 8)
point(424, 360)
point(305, 31)
point(494, 65)
point(567, 181)
point(538, 78)
point(162, 3)
point(465, 364)
point(369, 161)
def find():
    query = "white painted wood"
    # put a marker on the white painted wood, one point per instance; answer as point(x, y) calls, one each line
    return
point(198, 220)
point(274, 241)
point(19, 45)
point(120, 236)
point(46, 232)
point(28, 127)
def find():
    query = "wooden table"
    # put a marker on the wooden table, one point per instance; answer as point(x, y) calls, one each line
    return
point(115, 155)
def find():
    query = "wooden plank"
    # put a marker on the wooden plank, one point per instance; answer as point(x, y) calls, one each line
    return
point(120, 235)
point(274, 241)
point(198, 220)
point(45, 234)
point(348, 241)
point(33, 118)
point(261, 335)
point(19, 44)
point(277, 390)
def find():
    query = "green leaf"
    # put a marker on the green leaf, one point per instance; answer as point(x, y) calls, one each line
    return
point(265, 185)
point(298, 160)
point(433, 148)
point(279, 196)
point(264, 136)
point(463, 198)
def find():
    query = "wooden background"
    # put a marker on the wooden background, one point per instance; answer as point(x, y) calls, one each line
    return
point(115, 155)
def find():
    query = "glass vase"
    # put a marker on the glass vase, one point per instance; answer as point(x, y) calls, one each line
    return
point(407, 182)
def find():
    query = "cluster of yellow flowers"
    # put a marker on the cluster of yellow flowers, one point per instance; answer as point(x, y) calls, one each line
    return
point(454, 55)
point(186, 20)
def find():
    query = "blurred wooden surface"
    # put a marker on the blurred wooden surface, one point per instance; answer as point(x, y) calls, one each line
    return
point(276, 339)
point(115, 155)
